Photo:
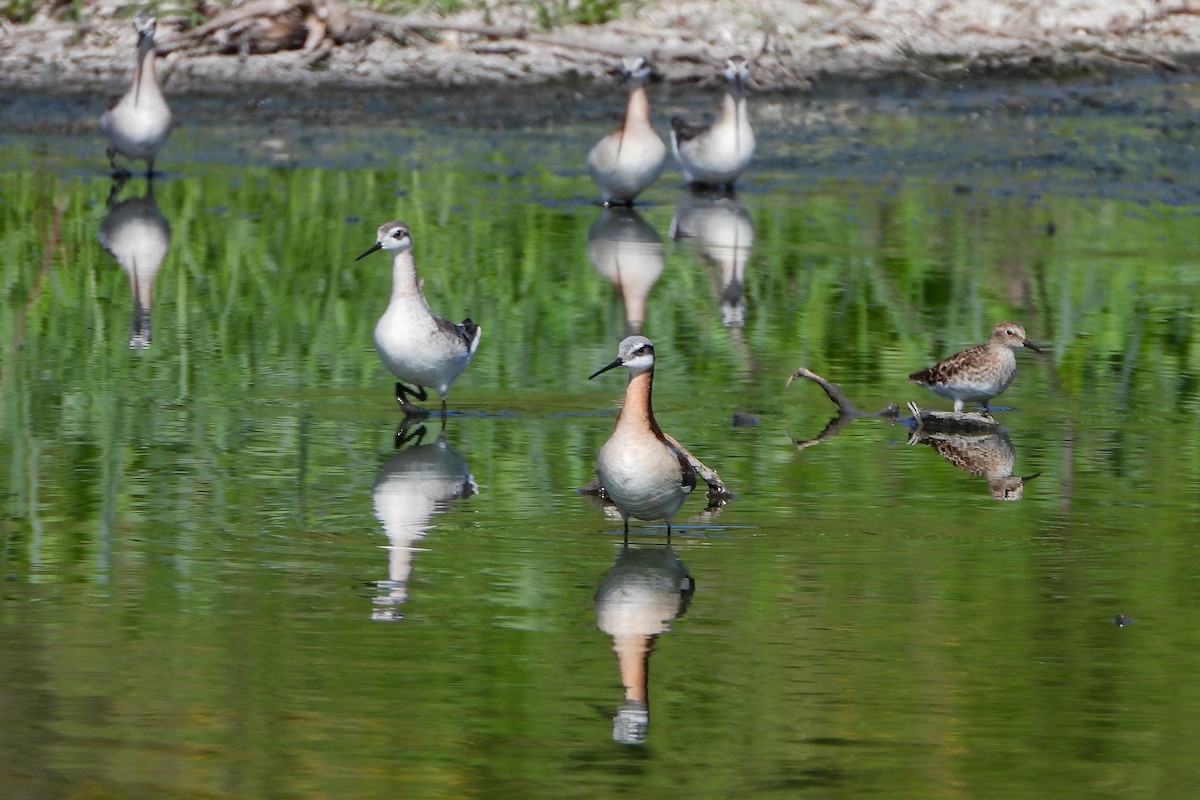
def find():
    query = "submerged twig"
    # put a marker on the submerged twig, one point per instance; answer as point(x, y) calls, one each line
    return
point(950, 421)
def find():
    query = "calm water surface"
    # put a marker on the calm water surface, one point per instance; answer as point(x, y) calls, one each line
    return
point(223, 579)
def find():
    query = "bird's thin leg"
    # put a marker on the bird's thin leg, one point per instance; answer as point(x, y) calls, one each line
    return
point(402, 395)
point(403, 437)
point(119, 182)
point(626, 521)
point(149, 169)
point(112, 160)
point(443, 412)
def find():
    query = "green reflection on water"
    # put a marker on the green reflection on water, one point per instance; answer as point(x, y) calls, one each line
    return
point(192, 553)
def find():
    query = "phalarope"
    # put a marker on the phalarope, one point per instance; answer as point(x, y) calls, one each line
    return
point(629, 159)
point(415, 344)
point(645, 472)
point(978, 373)
point(138, 123)
point(716, 154)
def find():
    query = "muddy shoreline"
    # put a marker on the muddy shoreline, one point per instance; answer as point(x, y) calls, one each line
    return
point(304, 44)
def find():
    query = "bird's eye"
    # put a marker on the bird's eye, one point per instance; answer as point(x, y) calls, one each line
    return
point(399, 234)
point(1011, 332)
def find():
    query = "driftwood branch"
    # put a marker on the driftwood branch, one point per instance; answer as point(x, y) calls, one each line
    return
point(835, 393)
point(966, 422)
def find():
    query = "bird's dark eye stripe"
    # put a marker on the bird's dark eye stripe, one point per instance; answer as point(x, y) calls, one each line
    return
point(399, 234)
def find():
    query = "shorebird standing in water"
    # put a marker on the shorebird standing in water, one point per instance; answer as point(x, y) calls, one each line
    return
point(978, 373)
point(716, 154)
point(138, 123)
point(414, 343)
point(645, 472)
point(629, 159)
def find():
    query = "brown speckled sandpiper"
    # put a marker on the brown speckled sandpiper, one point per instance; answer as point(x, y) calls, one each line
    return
point(978, 373)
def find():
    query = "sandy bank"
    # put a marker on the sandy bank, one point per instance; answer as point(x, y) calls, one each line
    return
point(792, 43)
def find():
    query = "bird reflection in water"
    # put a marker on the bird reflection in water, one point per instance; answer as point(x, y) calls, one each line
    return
point(645, 590)
point(414, 484)
point(973, 442)
point(988, 455)
point(137, 235)
point(724, 234)
point(627, 251)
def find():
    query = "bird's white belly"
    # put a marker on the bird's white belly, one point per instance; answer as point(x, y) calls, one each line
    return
point(623, 169)
point(417, 353)
point(719, 157)
point(644, 479)
point(137, 131)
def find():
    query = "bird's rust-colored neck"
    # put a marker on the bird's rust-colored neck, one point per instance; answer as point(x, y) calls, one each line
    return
point(637, 110)
point(146, 78)
point(633, 658)
point(636, 411)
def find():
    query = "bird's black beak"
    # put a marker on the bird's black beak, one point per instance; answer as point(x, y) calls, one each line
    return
point(371, 249)
point(1034, 348)
point(613, 365)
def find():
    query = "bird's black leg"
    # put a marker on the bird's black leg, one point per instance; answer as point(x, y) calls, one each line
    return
point(403, 437)
point(118, 170)
point(119, 181)
point(402, 395)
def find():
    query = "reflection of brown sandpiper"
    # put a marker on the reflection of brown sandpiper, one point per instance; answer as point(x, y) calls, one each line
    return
point(715, 155)
point(988, 455)
point(629, 159)
point(978, 373)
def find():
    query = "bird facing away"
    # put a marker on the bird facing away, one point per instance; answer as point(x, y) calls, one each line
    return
point(645, 473)
point(138, 123)
point(629, 159)
point(715, 155)
point(415, 344)
point(978, 373)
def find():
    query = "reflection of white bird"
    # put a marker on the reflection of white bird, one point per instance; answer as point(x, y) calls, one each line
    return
point(716, 154)
point(412, 486)
point(626, 250)
point(414, 343)
point(137, 235)
point(723, 228)
point(645, 589)
point(629, 159)
point(138, 123)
